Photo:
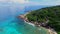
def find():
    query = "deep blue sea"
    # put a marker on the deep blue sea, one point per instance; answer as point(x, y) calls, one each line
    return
point(10, 24)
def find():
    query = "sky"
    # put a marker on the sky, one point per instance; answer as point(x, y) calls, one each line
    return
point(45, 2)
point(34, 2)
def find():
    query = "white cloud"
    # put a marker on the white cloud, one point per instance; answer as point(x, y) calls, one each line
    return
point(44, 2)
point(15, 1)
point(18, 1)
point(34, 2)
point(58, 2)
point(3, 0)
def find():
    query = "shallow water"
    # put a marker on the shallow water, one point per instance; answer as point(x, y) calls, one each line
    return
point(10, 24)
point(18, 26)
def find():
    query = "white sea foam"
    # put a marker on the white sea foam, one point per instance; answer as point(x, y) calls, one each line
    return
point(39, 29)
point(30, 23)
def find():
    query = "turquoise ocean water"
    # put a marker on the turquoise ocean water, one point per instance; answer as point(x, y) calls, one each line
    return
point(10, 24)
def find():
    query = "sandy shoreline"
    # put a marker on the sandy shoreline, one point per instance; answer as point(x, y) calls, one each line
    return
point(26, 21)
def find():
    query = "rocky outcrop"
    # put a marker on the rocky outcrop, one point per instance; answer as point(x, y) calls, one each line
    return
point(23, 17)
point(37, 24)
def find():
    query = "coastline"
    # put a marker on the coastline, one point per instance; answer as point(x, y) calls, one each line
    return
point(50, 30)
point(30, 23)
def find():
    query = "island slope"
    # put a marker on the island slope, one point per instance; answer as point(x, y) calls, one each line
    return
point(48, 17)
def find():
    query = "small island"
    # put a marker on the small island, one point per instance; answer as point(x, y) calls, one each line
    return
point(48, 18)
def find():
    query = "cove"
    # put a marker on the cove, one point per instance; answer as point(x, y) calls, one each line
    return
point(10, 24)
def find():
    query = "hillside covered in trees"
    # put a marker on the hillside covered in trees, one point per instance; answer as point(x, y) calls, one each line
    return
point(50, 14)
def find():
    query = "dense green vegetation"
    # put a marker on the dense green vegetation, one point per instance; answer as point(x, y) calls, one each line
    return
point(49, 13)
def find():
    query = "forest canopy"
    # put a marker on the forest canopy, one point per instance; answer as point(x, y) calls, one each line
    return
point(49, 13)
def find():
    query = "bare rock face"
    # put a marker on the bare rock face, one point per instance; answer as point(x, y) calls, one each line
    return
point(21, 16)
